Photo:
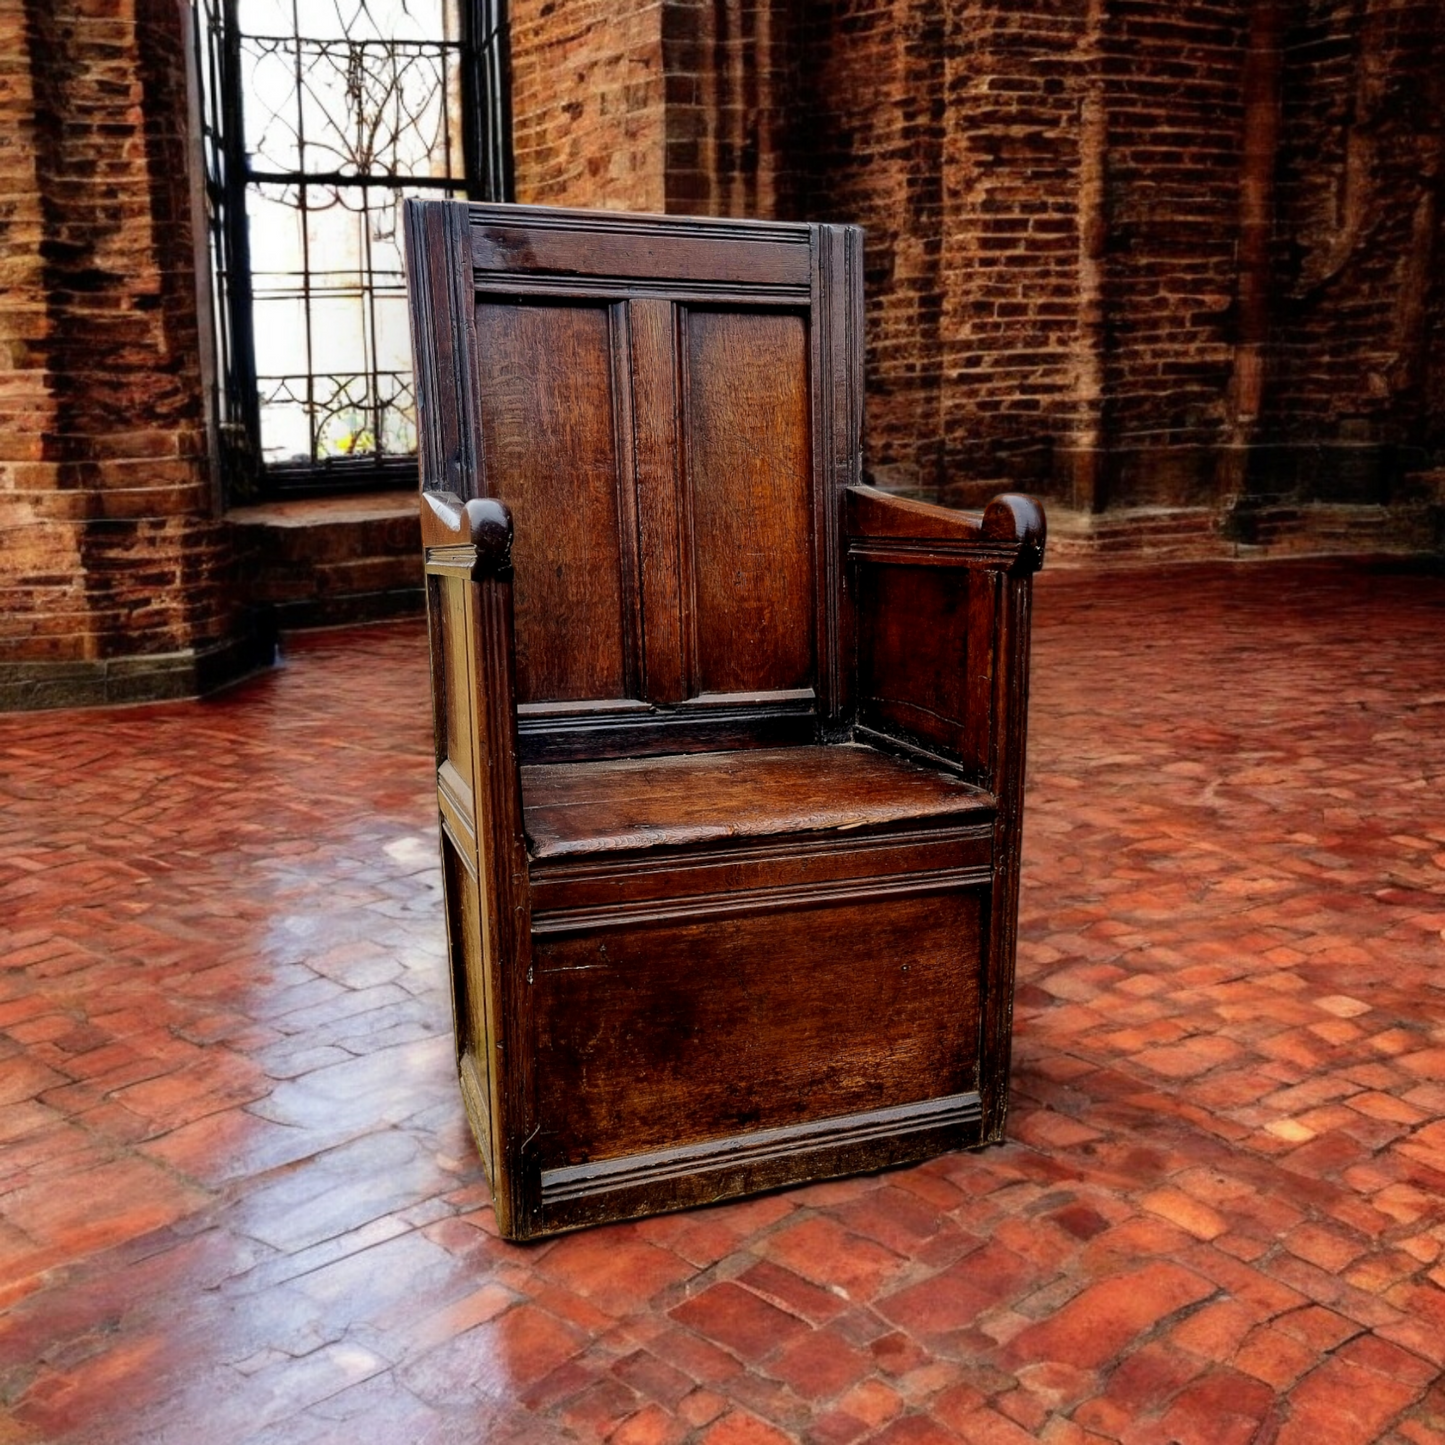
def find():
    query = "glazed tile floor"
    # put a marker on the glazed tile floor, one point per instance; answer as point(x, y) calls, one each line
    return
point(238, 1202)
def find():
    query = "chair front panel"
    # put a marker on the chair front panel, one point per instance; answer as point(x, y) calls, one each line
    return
point(685, 1029)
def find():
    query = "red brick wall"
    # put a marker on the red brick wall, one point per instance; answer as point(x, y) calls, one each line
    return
point(1360, 291)
point(110, 544)
point(1119, 251)
point(588, 121)
point(870, 142)
point(730, 100)
point(1050, 192)
point(652, 105)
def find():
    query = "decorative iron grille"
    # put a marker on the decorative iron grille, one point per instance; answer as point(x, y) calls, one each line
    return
point(319, 117)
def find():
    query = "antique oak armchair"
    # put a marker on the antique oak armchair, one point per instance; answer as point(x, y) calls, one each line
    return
point(729, 748)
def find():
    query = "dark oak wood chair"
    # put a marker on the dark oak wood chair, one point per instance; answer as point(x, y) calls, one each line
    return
point(729, 748)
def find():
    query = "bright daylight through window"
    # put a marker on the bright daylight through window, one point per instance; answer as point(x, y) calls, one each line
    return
point(320, 116)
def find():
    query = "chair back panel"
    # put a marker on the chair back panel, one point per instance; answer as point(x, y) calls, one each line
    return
point(669, 409)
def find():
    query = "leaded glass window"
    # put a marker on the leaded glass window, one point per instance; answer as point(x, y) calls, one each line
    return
point(320, 117)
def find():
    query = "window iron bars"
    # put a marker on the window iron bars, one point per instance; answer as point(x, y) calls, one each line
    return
point(322, 126)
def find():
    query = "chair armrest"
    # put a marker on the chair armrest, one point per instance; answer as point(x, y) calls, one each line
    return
point(468, 566)
point(482, 523)
point(1011, 523)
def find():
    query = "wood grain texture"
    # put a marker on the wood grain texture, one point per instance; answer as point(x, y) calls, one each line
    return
point(481, 523)
point(670, 802)
point(747, 913)
point(625, 732)
point(533, 239)
point(568, 886)
point(1011, 530)
point(654, 375)
point(1009, 741)
point(913, 657)
point(670, 1034)
point(484, 873)
point(685, 1174)
point(503, 959)
point(472, 1007)
point(836, 379)
point(551, 454)
point(443, 337)
point(749, 501)
point(454, 665)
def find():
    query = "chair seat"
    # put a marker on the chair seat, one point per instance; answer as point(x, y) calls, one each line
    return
point(681, 800)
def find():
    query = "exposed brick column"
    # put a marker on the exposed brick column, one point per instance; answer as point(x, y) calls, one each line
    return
point(1023, 322)
point(588, 103)
point(729, 68)
point(1079, 455)
point(114, 569)
point(1359, 303)
point(1258, 207)
point(679, 106)
point(870, 143)
point(41, 586)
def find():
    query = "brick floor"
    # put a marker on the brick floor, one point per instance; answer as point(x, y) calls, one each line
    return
point(238, 1202)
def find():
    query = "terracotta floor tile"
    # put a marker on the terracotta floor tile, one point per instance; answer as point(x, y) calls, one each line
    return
point(954, 1298)
point(915, 1430)
point(737, 1428)
point(238, 1200)
point(782, 1287)
point(1098, 1324)
point(617, 1273)
point(650, 1426)
point(1274, 1357)
point(1340, 1402)
point(820, 1365)
point(740, 1320)
point(820, 1249)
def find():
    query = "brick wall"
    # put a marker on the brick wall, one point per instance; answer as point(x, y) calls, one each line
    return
point(1121, 252)
point(653, 105)
point(112, 550)
point(1050, 192)
point(588, 122)
point(731, 99)
point(870, 145)
point(1357, 390)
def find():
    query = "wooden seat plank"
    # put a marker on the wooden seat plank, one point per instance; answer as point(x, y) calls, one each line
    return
point(624, 804)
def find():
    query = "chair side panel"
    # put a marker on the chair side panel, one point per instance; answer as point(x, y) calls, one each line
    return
point(926, 658)
point(471, 1001)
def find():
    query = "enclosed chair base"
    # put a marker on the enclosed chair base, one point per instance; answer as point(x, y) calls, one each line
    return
point(730, 847)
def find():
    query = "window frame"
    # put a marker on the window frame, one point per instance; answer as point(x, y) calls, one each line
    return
point(228, 173)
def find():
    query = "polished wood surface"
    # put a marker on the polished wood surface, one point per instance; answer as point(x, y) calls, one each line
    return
point(729, 746)
point(693, 1028)
point(748, 502)
point(549, 450)
point(667, 802)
